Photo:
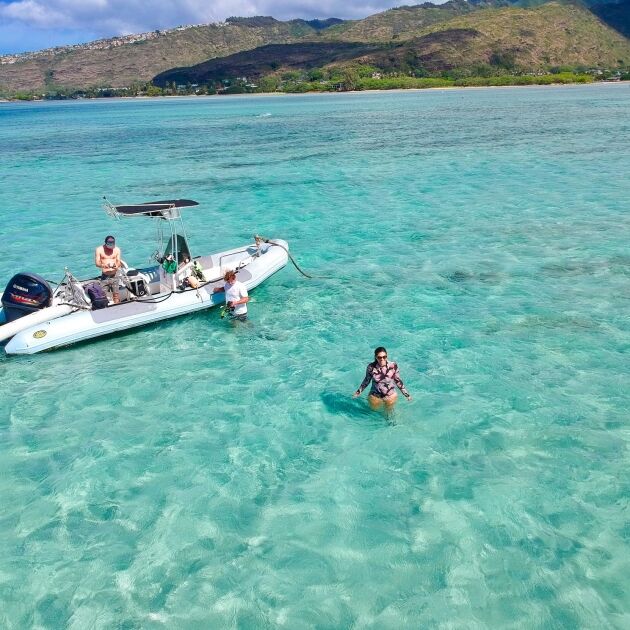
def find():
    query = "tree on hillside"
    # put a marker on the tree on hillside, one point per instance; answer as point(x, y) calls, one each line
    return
point(350, 79)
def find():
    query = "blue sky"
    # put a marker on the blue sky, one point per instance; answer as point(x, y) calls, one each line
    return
point(36, 24)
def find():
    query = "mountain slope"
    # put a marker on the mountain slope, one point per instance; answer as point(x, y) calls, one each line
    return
point(615, 13)
point(119, 63)
point(509, 39)
point(266, 59)
point(401, 22)
point(552, 34)
point(435, 37)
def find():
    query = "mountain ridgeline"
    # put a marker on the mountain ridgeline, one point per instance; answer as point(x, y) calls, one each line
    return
point(469, 37)
point(416, 39)
point(123, 61)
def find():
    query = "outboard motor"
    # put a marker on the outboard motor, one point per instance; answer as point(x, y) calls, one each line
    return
point(26, 293)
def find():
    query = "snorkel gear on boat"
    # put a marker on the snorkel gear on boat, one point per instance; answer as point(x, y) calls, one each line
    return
point(197, 271)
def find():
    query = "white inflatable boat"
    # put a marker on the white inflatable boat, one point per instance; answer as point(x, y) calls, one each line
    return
point(35, 317)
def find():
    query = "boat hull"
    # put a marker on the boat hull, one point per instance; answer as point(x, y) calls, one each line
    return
point(11, 329)
point(87, 324)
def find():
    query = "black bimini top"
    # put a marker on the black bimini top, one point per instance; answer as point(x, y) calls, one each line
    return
point(155, 208)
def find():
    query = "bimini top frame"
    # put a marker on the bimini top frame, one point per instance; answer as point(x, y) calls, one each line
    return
point(165, 209)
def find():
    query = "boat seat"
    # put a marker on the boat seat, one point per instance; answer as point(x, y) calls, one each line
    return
point(205, 262)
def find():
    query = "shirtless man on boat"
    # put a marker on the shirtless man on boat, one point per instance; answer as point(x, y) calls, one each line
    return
point(107, 259)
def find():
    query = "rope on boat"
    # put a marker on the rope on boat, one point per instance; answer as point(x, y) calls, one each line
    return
point(155, 300)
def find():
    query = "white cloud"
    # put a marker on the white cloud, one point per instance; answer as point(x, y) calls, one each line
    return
point(34, 14)
point(36, 24)
point(117, 17)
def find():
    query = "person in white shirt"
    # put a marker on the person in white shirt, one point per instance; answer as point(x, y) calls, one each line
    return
point(236, 296)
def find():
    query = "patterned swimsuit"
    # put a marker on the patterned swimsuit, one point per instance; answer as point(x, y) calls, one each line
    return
point(384, 379)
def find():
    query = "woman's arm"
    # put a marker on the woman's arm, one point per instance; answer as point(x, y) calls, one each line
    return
point(366, 380)
point(399, 382)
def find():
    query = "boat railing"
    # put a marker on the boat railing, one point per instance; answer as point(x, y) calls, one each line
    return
point(110, 209)
point(241, 262)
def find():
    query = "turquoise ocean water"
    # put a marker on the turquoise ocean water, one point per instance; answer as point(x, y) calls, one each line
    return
point(194, 475)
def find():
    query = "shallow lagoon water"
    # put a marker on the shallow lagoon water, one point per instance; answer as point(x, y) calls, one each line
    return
point(191, 474)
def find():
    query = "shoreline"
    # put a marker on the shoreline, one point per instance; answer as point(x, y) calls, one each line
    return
point(317, 93)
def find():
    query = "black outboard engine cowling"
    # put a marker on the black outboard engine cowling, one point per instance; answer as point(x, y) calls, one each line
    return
point(26, 293)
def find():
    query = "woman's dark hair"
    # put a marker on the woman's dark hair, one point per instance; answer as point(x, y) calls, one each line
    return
point(379, 349)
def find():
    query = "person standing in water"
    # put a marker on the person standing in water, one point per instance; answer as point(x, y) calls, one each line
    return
point(236, 296)
point(385, 377)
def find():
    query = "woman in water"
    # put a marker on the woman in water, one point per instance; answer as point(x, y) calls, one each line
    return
point(385, 378)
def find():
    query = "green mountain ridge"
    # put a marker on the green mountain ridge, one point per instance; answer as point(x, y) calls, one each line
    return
point(401, 22)
point(457, 34)
point(508, 39)
point(553, 34)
